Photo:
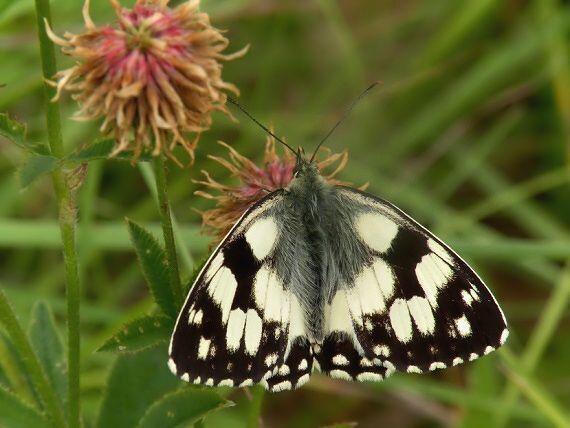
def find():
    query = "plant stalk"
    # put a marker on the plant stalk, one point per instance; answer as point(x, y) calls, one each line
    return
point(67, 214)
point(166, 221)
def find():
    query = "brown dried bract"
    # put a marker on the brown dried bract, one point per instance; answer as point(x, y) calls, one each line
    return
point(255, 181)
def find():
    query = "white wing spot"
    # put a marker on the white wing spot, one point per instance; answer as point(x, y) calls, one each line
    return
point(226, 382)
point(340, 374)
point(504, 336)
point(377, 231)
point(235, 329)
point(203, 348)
point(368, 377)
point(390, 368)
point(467, 298)
point(340, 360)
point(364, 297)
point(303, 380)
point(185, 377)
point(384, 277)
point(440, 251)
point(473, 356)
point(400, 320)
point(488, 350)
point(281, 386)
point(215, 265)
point(474, 294)
point(297, 322)
point(457, 361)
point(271, 359)
point(284, 370)
point(269, 294)
point(433, 274)
point(337, 318)
point(437, 365)
point(247, 382)
point(422, 314)
point(463, 326)
point(198, 317)
point(261, 237)
point(253, 328)
point(209, 382)
point(413, 369)
point(382, 350)
point(197, 380)
point(303, 365)
point(172, 365)
point(365, 362)
point(222, 289)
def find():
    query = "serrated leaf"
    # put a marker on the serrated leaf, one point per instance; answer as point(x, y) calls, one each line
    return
point(140, 334)
point(182, 408)
point(152, 258)
point(47, 344)
point(102, 149)
point(15, 132)
point(16, 413)
point(136, 381)
point(35, 167)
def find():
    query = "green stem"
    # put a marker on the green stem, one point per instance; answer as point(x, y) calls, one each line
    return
point(166, 221)
point(67, 214)
point(29, 358)
point(253, 420)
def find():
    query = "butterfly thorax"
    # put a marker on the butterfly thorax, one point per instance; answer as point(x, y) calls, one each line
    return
point(310, 198)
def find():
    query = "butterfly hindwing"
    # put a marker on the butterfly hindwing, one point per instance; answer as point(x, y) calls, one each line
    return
point(414, 306)
point(240, 325)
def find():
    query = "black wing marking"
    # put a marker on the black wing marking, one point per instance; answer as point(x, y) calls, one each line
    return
point(415, 306)
point(240, 325)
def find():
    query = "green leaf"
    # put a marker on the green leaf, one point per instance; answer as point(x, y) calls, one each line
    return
point(140, 334)
point(136, 381)
point(47, 344)
point(182, 408)
point(152, 258)
point(15, 132)
point(102, 149)
point(16, 413)
point(35, 167)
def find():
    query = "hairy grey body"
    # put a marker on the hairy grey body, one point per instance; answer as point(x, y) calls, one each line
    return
point(317, 253)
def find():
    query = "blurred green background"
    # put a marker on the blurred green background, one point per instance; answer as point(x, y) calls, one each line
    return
point(469, 132)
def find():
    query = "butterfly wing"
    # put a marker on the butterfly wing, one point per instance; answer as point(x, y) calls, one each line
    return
point(240, 325)
point(414, 306)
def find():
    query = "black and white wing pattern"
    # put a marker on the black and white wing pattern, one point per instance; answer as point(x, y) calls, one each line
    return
point(414, 306)
point(240, 325)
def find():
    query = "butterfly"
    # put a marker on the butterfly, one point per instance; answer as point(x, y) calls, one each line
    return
point(329, 278)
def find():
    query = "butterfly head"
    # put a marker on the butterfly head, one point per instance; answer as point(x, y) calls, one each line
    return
point(303, 166)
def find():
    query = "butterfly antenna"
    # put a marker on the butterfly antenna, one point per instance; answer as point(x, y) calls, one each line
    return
point(344, 116)
point(261, 125)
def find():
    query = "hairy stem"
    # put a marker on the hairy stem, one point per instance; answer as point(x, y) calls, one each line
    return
point(67, 214)
point(166, 221)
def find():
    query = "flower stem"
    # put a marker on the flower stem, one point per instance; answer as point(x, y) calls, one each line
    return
point(67, 214)
point(30, 360)
point(166, 221)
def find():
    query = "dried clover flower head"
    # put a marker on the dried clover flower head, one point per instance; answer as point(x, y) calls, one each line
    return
point(154, 76)
point(255, 181)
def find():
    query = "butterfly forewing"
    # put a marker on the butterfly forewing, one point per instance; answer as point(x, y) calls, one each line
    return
point(414, 306)
point(239, 324)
